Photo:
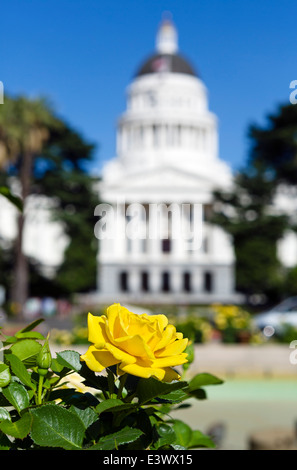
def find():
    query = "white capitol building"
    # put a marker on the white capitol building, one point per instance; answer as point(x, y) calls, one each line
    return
point(167, 158)
point(167, 155)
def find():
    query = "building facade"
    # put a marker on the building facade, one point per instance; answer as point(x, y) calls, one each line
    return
point(168, 164)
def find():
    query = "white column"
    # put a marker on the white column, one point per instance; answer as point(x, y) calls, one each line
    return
point(164, 136)
point(119, 247)
point(134, 280)
point(155, 279)
point(136, 248)
point(214, 142)
point(178, 250)
point(123, 142)
point(203, 139)
point(154, 248)
point(196, 280)
point(150, 136)
point(176, 276)
point(145, 137)
point(153, 233)
point(178, 241)
point(209, 140)
point(119, 141)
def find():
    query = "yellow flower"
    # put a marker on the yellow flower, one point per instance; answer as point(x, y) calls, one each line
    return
point(75, 381)
point(142, 345)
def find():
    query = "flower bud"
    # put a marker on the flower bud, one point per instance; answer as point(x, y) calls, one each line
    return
point(44, 358)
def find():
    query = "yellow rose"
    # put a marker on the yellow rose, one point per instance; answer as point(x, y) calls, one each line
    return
point(142, 345)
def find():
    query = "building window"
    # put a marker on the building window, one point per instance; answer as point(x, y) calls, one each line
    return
point(208, 282)
point(166, 245)
point(124, 287)
point(165, 282)
point(187, 282)
point(145, 281)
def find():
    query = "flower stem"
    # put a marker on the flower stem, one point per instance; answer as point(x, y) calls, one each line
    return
point(40, 384)
point(122, 384)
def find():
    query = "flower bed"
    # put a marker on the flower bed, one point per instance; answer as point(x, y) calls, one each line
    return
point(224, 323)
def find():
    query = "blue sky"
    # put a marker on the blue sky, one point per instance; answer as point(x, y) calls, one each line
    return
point(82, 54)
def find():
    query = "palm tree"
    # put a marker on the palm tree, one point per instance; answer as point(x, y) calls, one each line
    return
point(24, 129)
point(9, 142)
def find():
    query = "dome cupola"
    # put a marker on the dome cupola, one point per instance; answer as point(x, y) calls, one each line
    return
point(166, 57)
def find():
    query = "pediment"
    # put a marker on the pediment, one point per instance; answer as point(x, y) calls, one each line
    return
point(161, 180)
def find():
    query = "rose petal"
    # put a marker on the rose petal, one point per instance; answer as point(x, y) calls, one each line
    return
point(96, 329)
point(98, 360)
point(162, 321)
point(112, 325)
point(167, 336)
point(173, 349)
point(142, 371)
point(170, 375)
point(136, 346)
point(120, 355)
point(170, 361)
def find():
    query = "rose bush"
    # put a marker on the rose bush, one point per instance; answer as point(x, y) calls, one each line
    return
point(119, 395)
point(141, 345)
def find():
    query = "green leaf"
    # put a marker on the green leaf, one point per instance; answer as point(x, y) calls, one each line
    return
point(5, 376)
point(9, 340)
point(16, 201)
point(199, 439)
point(18, 429)
point(17, 396)
point(58, 368)
point(112, 441)
point(98, 382)
point(166, 435)
point(5, 443)
point(26, 333)
point(31, 326)
point(148, 389)
point(26, 350)
point(87, 416)
point(173, 397)
point(4, 414)
point(54, 426)
point(183, 433)
point(200, 380)
point(69, 359)
point(30, 335)
point(113, 405)
point(200, 394)
point(18, 368)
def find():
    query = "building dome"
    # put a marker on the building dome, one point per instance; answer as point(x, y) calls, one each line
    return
point(173, 63)
point(166, 58)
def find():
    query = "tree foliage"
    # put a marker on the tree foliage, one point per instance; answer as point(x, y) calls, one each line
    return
point(49, 158)
point(248, 211)
point(274, 146)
